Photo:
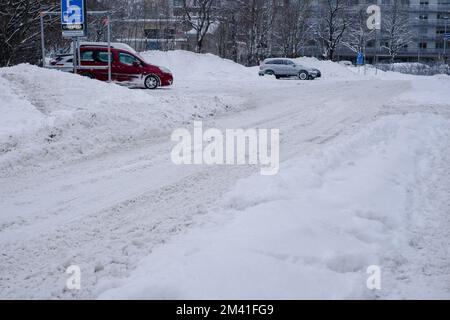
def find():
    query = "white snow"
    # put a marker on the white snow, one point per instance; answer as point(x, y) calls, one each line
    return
point(187, 66)
point(53, 116)
point(312, 231)
point(86, 179)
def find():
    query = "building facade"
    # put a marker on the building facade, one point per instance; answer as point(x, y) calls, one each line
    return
point(428, 24)
point(161, 27)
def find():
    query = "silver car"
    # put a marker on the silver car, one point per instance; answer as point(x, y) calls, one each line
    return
point(283, 68)
point(63, 62)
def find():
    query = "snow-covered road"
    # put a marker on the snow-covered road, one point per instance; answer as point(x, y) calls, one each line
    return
point(110, 210)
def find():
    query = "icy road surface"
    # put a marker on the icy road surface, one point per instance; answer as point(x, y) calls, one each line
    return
point(364, 179)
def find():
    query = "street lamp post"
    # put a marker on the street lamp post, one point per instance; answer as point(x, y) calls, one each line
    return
point(419, 41)
point(445, 36)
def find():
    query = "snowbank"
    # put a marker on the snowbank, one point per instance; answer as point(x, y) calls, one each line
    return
point(192, 66)
point(60, 117)
point(187, 65)
point(334, 70)
point(52, 116)
point(310, 232)
point(329, 69)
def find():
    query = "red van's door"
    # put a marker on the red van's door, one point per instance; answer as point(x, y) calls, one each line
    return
point(128, 67)
point(96, 58)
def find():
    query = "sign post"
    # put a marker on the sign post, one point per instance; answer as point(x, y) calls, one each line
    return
point(73, 24)
point(108, 23)
point(446, 39)
point(374, 23)
point(41, 16)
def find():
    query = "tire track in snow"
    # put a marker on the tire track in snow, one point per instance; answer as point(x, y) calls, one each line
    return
point(109, 241)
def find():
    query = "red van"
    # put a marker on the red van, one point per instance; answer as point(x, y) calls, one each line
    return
point(127, 66)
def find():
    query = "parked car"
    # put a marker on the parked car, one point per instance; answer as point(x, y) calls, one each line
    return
point(282, 68)
point(319, 74)
point(127, 66)
point(346, 63)
point(63, 62)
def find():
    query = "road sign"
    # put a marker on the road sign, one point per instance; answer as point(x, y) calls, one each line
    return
point(73, 18)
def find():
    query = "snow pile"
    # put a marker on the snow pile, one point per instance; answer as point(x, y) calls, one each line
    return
point(187, 65)
point(329, 69)
point(313, 230)
point(51, 115)
point(417, 68)
point(428, 92)
point(334, 70)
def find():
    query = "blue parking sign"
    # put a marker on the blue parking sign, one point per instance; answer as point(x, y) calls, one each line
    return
point(360, 59)
point(73, 18)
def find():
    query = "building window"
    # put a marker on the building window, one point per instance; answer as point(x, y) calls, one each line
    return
point(440, 30)
point(423, 45)
point(177, 3)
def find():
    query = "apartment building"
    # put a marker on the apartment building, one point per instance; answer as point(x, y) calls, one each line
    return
point(428, 21)
point(157, 27)
point(161, 27)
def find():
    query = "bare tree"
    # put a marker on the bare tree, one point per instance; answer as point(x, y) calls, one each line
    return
point(331, 25)
point(199, 17)
point(19, 30)
point(395, 28)
point(255, 22)
point(358, 35)
point(227, 40)
point(291, 25)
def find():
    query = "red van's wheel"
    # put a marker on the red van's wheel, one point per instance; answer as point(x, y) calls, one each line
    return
point(151, 82)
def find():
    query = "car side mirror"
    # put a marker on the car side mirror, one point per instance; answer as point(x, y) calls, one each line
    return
point(136, 64)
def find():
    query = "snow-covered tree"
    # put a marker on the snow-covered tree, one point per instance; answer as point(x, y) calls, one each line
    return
point(331, 24)
point(395, 28)
point(291, 26)
point(358, 35)
point(19, 31)
point(200, 16)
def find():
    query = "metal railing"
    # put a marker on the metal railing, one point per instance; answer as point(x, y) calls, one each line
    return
point(76, 48)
